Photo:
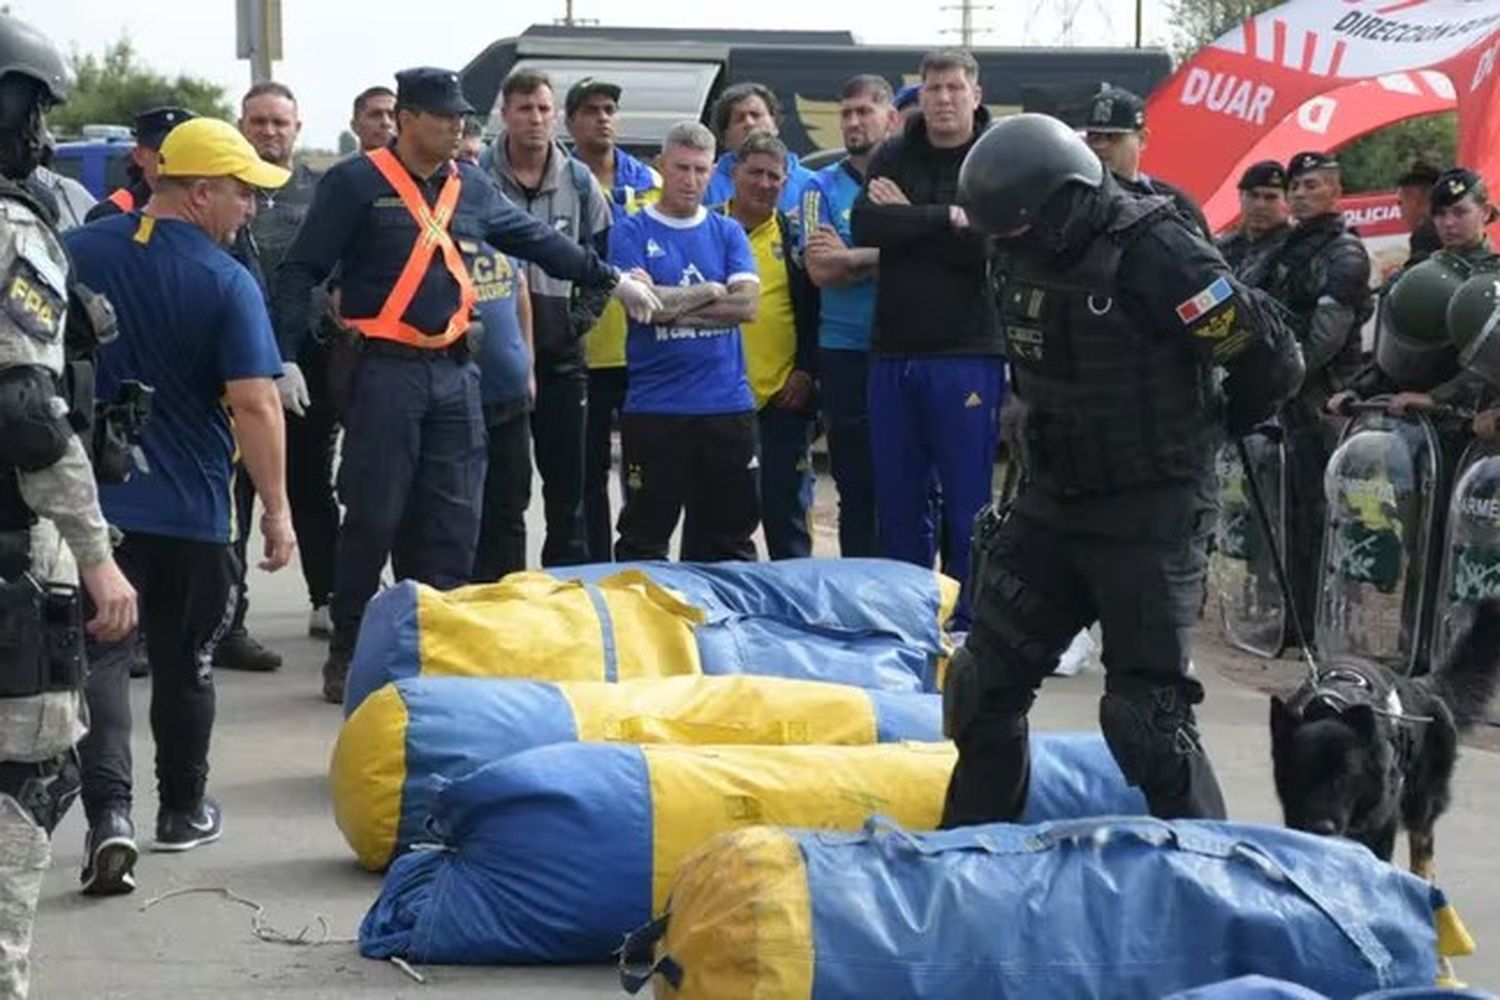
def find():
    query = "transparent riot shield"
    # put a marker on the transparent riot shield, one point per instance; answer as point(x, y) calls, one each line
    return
point(1252, 609)
point(1471, 550)
point(1379, 485)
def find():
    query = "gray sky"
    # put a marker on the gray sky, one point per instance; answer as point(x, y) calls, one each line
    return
point(335, 48)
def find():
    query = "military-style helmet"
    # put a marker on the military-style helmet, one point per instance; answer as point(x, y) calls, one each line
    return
point(1473, 318)
point(1018, 164)
point(26, 51)
point(1413, 346)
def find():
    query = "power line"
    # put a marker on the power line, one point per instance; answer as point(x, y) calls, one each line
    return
point(967, 29)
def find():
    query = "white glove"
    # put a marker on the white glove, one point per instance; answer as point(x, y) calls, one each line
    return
point(636, 296)
point(293, 389)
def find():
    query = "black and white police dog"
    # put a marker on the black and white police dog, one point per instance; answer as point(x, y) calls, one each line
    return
point(1360, 752)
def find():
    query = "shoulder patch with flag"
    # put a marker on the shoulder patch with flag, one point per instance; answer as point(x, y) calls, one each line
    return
point(1216, 293)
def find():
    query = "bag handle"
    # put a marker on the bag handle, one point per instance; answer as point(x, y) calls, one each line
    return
point(637, 967)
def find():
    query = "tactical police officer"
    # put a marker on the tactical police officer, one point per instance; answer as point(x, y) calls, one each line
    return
point(1416, 364)
point(1120, 322)
point(49, 506)
point(1116, 132)
point(1265, 220)
point(1321, 274)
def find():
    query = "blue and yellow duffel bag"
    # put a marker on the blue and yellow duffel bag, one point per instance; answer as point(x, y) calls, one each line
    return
point(1111, 907)
point(628, 624)
point(410, 732)
point(552, 855)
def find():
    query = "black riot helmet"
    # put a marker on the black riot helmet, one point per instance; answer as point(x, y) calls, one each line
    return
point(1017, 165)
point(33, 78)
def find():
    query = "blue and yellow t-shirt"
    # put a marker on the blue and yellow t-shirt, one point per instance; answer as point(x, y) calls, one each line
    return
point(504, 362)
point(191, 319)
point(847, 312)
point(679, 370)
point(636, 186)
point(771, 340)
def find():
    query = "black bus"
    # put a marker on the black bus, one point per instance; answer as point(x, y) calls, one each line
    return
point(669, 75)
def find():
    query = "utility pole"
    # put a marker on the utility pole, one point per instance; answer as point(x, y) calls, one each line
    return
point(569, 21)
point(258, 35)
point(1139, 20)
point(966, 29)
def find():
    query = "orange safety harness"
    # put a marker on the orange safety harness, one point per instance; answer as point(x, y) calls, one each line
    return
point(432, 236)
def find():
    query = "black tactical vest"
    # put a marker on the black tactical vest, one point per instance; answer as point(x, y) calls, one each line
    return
point(1108, 402)
point(1296, 276)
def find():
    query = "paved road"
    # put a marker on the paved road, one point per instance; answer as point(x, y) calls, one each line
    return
point(282, 850)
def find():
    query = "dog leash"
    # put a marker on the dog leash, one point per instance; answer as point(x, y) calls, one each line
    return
point(1278, 565)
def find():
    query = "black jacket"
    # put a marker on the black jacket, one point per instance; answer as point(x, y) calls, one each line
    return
point(933, 296)
point(1185, 205)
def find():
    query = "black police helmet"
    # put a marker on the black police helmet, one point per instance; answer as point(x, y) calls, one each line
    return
point(1017, 165)
point(25, 51)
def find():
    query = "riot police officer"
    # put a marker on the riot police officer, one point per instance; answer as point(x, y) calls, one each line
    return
point(1264, 220)
point(1322, 275)
point(49, 507)
point(1416, 363)
point(1119, 322)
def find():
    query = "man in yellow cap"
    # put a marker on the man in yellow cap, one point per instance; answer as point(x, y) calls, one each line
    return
point(193, 324)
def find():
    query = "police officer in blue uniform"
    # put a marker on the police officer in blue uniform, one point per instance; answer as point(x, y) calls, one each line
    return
point(151, 127)
point(1133, 350)
point(413, 462)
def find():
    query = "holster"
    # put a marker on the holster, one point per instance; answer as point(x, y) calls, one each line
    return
point(41, 638)
point(45, 790)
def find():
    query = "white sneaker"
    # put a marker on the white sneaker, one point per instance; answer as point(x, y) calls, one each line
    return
point(320, 623)
point(1075, 659)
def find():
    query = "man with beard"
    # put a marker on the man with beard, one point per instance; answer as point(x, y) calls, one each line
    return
point(846, 275)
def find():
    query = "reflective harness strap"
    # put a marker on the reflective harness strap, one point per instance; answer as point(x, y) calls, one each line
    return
point(432, 235)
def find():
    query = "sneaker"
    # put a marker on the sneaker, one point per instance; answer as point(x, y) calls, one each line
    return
point(177, 830)
point(320, 623)
point(335, 673)
point(1077, 657)
point(238, 651)
point(109, 855)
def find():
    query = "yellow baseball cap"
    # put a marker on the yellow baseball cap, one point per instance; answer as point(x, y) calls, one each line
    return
point(208, 147)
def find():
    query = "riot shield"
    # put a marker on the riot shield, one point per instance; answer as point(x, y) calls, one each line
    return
point(1471, 550)
point(1380, 486)
point(1252, 610)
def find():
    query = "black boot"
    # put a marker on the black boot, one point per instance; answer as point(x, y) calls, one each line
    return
point(238, 651)
point(335, 673)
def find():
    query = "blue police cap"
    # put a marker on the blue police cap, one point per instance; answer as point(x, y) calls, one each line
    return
point(152, 126)
point(907, 96)
point(426, 88)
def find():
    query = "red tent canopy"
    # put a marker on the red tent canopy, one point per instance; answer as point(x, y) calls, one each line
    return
point(1317, 74)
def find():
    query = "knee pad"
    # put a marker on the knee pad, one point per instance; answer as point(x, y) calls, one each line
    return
point(1152, 733)
point(978, 685)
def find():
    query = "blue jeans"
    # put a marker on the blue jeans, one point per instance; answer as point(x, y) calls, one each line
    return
point(844, 386)
point(934, 415)
point(412, 479)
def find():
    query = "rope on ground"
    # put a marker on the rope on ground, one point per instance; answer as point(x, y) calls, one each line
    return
point(401, 964)
point(258, 923)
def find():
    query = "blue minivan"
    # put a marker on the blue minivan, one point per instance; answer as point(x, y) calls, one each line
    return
point(98, 164)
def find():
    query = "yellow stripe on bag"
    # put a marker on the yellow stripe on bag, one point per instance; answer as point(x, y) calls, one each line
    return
point(729, 957)
point(1454, 940)
point(699, 792)
point(738, 709)
point(366, 775)
point(948, 589)
point(653, 627)
point(528, 625)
